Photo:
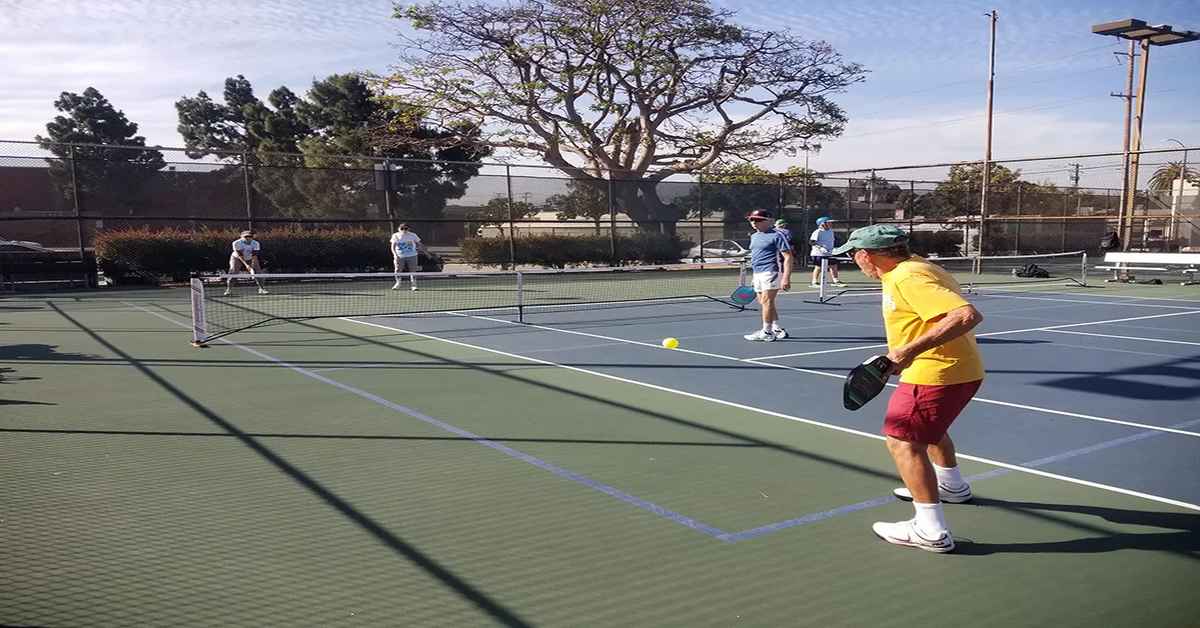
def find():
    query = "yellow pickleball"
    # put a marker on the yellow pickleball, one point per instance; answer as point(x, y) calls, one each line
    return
point(670, 343)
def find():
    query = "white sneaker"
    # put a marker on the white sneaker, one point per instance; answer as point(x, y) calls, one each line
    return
point(227, 292)
point(263, 291)
point(814, 285)
point(780, 333)
point(396, 286)
point(839, 284)
point(958, 495)
point(760, 336)
point(414, 288)
point(907, 533)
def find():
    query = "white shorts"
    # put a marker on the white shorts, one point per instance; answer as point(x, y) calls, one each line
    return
point(770, 280)
point(236, 266)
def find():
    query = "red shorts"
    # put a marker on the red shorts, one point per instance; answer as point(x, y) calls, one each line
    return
point(922, 413)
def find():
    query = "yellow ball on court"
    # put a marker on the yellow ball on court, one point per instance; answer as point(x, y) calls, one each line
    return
point(670, 343)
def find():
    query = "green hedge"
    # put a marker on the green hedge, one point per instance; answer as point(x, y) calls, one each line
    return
point(560, 251)
point(151, 253)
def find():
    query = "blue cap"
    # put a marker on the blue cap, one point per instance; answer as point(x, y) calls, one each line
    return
point(823, 219)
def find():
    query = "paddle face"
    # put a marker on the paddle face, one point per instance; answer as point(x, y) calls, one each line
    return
point(743, 295)
point(866, 381)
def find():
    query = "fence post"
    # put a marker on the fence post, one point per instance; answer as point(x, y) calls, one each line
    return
point(1017, 238)
point(87, 283)
point(387, 194)
point(249, 193)
point(512, 247)
point(782, 197)
point(700, 213)
point(849, 195)
point(75, 200)
point(871, 199)
point(612, 223)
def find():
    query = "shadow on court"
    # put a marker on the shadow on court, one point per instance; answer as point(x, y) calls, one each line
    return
point(23, 354)
point(493, 608)
point(1183, 539)
point(1148, 382)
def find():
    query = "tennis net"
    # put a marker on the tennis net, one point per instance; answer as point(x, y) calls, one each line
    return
point(977, 272)
point(225, 304)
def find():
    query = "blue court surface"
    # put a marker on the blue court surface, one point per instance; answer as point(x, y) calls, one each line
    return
point(1090, 388)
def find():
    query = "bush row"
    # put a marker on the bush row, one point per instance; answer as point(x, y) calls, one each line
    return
point(151, 254)
point(560, 251)
point(176, 253)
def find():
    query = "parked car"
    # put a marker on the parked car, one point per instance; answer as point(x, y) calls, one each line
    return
point(718, 250)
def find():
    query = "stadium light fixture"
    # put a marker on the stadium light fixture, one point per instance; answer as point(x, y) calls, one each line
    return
point(1139, 33)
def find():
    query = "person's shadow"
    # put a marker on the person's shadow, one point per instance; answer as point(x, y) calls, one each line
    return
point(1183, 539)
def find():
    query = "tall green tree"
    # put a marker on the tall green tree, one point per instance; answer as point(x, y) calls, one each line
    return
point(633, 91)
point(1166, 176)
point(109, 178)
point(316, 156)
point(496, 213)
point(584, 199)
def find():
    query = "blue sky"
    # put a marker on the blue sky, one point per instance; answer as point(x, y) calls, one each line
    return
point(923, 100)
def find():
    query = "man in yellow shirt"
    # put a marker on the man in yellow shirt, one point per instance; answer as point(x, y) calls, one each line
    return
point(929, 338)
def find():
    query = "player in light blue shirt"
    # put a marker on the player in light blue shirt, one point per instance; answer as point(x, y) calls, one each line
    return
point(822, 249)
point(771, 261)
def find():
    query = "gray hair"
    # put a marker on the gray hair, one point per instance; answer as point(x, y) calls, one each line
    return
point(896, 251)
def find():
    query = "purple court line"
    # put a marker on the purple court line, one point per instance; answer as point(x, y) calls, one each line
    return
point(883, 501)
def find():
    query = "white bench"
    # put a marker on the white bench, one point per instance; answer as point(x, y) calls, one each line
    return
point(1123, 265)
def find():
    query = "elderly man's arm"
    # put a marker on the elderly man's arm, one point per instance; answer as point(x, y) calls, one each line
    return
point(949, 326)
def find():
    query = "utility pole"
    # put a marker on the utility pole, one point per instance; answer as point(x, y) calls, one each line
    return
point(987, 155)
point(1128, 96)
point(1075, 176)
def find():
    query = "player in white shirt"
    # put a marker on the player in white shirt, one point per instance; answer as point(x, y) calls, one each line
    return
point(244, 257)
point(822, 248)
point(405, 247)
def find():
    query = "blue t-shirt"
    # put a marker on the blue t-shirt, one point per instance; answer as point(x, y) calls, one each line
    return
point(765, 249)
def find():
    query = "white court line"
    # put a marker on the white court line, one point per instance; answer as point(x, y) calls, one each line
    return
point(992, 333)
point(1172, 307)
point(1105, 296)
point(1084, 333)
point(756, 362)
point(780, 415)
point(983, 290)
point(1111, 350)
point(813, 422)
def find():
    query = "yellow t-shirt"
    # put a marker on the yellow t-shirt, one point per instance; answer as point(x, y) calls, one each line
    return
point(914, 293)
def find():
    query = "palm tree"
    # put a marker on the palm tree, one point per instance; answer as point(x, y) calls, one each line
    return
point(1164, 178)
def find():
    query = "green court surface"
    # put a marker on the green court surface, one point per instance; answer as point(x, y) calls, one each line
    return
point(328, 473)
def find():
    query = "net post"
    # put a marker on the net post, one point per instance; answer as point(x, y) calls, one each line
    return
point(821, 284)
point(199, 314)
point(520, 297)
point(1083, 270)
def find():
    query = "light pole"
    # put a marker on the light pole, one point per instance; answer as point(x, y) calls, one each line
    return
point(1146, 36)
point(1176, 206)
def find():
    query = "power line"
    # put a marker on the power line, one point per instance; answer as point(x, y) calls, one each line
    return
point(1034, 107)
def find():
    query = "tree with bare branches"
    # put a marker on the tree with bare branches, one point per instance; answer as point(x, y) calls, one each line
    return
point(630, 90)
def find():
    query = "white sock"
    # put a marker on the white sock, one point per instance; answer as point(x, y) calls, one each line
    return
point(775, 326)
point(930, 518)
point(766, 327)
point(949, 476)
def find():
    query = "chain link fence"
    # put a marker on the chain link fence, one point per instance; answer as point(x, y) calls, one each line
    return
point(61, 195)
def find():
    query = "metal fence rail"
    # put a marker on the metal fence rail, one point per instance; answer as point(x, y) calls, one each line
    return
point(62, 195)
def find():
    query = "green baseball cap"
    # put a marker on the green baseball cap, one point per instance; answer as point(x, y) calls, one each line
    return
point(873, 237)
